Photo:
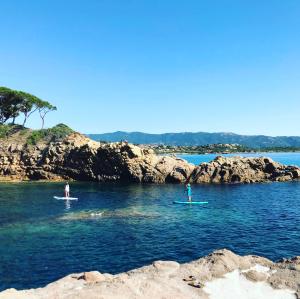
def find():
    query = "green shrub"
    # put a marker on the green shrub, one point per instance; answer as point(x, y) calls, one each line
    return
point(36, 136)
point(52, 134)
point(4, 131)
point(7, 130)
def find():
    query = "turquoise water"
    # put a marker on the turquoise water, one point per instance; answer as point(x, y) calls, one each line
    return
point(114, 228)
point(285, 158)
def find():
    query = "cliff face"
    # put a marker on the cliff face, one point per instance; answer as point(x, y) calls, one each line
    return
point(78, 157)
point(220, 275)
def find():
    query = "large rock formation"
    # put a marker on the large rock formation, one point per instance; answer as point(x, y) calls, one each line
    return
point(78, 157)
point(243, 170)
point(220, 275)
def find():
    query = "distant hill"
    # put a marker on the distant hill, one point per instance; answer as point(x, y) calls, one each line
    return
point(199, 138)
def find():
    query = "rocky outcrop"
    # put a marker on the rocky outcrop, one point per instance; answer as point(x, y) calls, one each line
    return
point(79, 158)
point(221, 275)
point(243, 170)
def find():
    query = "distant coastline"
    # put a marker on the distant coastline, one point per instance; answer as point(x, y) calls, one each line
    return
point(257, 142)
point(216, 149)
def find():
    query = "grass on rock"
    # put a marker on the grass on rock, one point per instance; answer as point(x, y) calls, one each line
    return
point(33, 137)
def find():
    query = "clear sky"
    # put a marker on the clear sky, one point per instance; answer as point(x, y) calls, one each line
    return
point(157, 66)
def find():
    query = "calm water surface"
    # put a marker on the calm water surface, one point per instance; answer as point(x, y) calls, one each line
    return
point(114, 228)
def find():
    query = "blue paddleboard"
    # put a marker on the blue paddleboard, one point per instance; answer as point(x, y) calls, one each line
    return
point(190, 202)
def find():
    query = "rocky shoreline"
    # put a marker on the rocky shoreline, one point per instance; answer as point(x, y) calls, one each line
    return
point(220, 275)
point(77, 157)
point(244, 170)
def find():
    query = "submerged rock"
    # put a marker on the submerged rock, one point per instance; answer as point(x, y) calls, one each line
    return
point(118, 213)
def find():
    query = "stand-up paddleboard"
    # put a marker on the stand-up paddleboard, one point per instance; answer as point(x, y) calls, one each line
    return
point(65, 198)
point(190, 202)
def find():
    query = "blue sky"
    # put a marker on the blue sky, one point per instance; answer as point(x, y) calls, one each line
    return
point(157, 66)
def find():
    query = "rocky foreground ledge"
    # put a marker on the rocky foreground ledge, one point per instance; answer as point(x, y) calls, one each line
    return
point(77, 157)
point(220, 275)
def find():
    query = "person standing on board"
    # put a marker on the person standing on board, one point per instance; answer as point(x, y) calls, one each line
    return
point(67, 190)
point(189, 191)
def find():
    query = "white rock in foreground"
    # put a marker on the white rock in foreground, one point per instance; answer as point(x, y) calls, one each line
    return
point(220, 275)
point(235, 285)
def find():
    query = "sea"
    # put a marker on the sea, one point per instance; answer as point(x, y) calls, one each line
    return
point(113, 228)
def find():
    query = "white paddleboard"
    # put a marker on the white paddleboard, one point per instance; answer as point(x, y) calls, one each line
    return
point(65, 198)
point(190, 202)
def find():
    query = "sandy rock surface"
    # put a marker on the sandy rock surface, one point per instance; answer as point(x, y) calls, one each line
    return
point(222, 275)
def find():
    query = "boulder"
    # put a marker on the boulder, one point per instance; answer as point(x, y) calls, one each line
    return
point(93, 277)
point(243, 170)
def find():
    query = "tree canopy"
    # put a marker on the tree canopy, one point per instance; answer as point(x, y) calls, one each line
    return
point(13, 103)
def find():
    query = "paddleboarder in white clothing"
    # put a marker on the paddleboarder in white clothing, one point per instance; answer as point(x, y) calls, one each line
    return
point(67, 190)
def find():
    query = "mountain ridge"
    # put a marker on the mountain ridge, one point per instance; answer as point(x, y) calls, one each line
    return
point(199, 138)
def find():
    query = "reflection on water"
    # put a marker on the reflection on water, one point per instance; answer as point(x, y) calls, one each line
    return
point(68, 204)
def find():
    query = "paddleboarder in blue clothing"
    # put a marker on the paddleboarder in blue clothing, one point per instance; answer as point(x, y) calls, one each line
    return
point(189, 191)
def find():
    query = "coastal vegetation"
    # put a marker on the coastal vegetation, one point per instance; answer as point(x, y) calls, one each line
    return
point(279, 149)
point(14, 103)
point(33, 137)
point(55, 133)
